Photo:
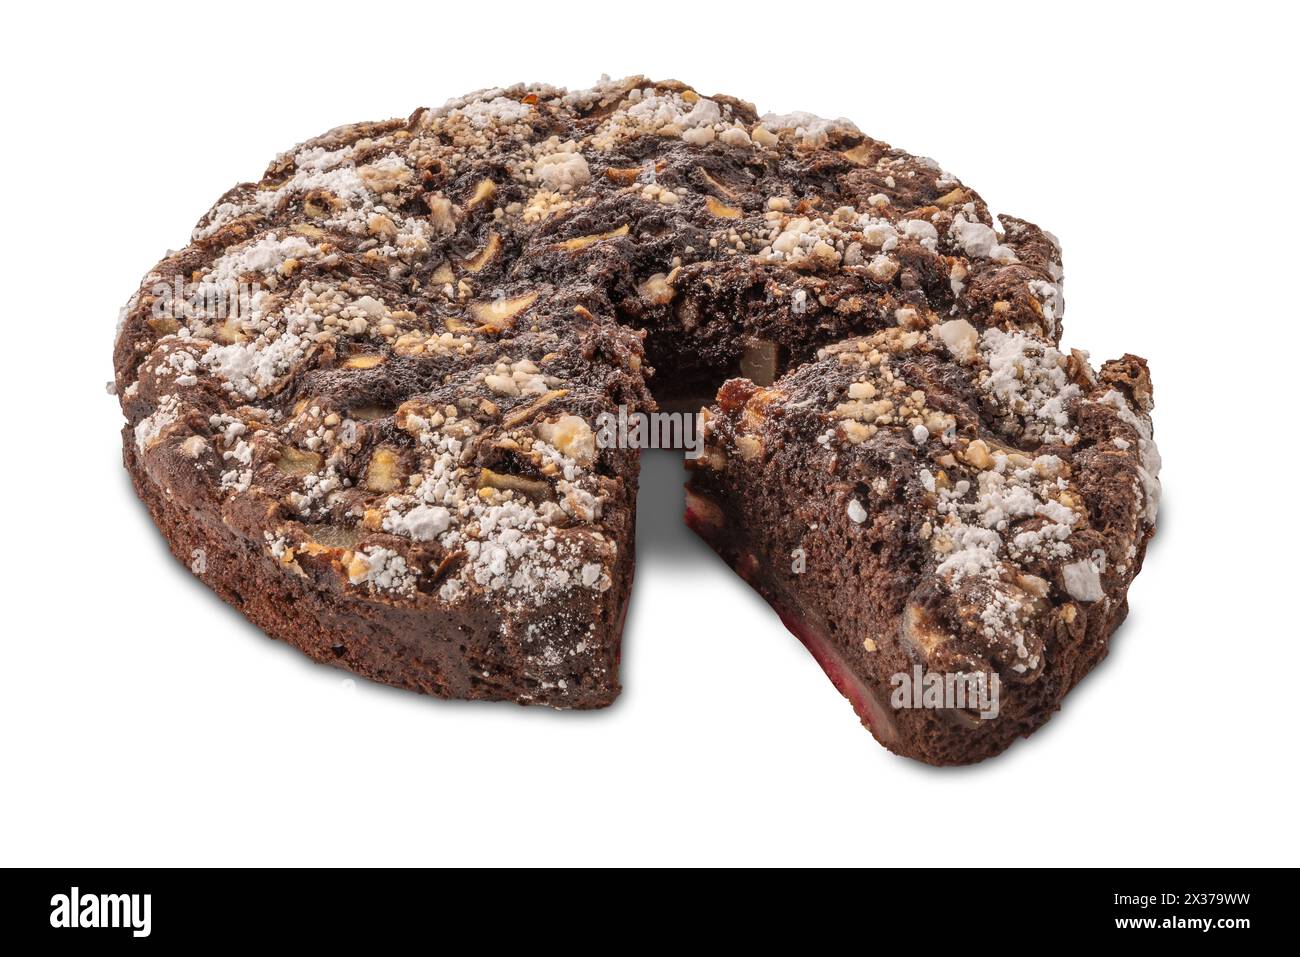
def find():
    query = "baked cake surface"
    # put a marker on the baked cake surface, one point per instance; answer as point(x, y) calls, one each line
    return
point(362, 404)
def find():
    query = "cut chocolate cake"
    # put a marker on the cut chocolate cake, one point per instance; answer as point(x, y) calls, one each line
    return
point(363, 404)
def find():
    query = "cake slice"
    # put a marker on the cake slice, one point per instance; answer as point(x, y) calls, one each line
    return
point(941, 502)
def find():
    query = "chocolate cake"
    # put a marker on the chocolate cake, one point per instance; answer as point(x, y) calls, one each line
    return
point(362, 404)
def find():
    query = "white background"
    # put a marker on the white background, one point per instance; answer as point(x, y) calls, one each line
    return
point(144, 722)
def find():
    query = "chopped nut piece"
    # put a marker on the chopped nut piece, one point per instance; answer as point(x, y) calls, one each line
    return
point(320, 203)
point(1080, 369)
point(501, 384)
point(441, 214)
point(384, 474)
point(528, 411)
point(409, 344)
point(499, 314)
point(572, 436)
point(484, 191)
point(724, 190)
point(864, 154)
point(383, 227)
point(624, 177)
point(368, 413)
point(358, 568)
point(297, 462)
point(582, 242)
point(882, 269)
point(533, 488)
point(230, 332)
point(194, 446)
point(720, 209)
point(658, 289)
point(952, 198)
point(334, 536)
point(977, 455)
point(960, 337)
point(713, 458)
point(363, 362)
point(450, 561)
point(755, 409)
point(385, 178)
point(750, 447)
point(484, 255)
point(920, 631)
point(703, 513)
point(760, 362)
